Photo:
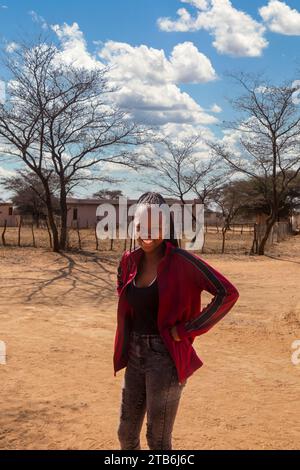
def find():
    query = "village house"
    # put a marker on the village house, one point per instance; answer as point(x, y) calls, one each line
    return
point(295, 221)
point(8, 213)
point(82, 212)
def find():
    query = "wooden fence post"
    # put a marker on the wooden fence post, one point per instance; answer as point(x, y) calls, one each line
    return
point(3, 233)
point(33, 237)
point(97, 241)
point(78, 234)
point(19, 230)
point(49, 232)
point(254, 248)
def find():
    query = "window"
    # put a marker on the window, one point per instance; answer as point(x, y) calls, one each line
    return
point(10, 211)
point(75, 213)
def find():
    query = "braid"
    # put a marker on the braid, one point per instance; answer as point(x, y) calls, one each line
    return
point(158, 199)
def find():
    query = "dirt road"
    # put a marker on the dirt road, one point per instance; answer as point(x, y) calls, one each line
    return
point(58, 391)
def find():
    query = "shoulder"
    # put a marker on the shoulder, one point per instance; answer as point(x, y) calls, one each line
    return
point(127, 256)
point(186, 257)
point(123, 257)
point(191, 262)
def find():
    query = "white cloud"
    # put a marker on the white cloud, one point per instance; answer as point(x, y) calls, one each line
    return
point(136, 63)
point(11, 47)
point(186, 64)
point(2, 92)
point(181, 132)
point(280, 18)
point(110, 167)
point(4, 172)
point(201, 4)
point(74, 48)
point(231, 139)
point(38, 19)
point(184, 23)
point(146, 79)
point(161, 104)
point(216, 108)
point(235, 32)
point(190, 65)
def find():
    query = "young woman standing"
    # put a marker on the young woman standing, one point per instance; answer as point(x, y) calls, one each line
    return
point(159, 315)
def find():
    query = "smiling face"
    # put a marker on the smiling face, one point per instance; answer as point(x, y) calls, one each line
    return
point(149, 228)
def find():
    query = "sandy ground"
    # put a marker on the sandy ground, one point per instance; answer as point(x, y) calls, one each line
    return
point(58, 391)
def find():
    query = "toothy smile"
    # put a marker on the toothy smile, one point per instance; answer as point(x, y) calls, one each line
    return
point(147, 242)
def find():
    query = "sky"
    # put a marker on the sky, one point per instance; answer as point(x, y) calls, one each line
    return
point(171, 57)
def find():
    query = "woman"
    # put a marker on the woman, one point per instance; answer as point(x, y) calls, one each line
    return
point(159, 315)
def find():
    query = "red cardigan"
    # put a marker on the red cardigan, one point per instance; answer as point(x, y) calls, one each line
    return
point(181, 277)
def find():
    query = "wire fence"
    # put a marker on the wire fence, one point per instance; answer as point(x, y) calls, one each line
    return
point(241, 238)
point(279, 232)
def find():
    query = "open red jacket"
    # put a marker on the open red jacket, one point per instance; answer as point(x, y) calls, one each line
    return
point(181, 277)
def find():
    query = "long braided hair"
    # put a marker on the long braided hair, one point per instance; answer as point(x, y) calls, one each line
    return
point(156, 198)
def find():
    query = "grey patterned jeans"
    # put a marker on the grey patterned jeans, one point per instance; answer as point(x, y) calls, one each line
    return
point(150, 385)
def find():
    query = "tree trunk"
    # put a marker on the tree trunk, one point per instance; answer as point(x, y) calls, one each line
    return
point(262, 245)
point(53, 227)
point(223, 240)
point(78, 235)
point(3, 233)
point(64, 212)
point(49, 233)
point(203, 246)
point(254, 248)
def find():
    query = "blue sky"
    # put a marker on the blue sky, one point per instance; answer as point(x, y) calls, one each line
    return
point(213, 36)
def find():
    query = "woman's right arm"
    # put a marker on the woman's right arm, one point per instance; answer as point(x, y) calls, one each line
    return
point(121, 273)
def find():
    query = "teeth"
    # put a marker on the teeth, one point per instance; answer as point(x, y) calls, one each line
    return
point(147, 242)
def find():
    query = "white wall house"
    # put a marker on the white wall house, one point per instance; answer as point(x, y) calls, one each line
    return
point(8, 214)
point(82, 212)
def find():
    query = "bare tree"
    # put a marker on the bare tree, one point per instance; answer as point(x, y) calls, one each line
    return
point(28, 194)
point(231, 198)
point(181, 169)
point(268, 141)
point(253, 194)
point(60, 120)
point(108, 193)
point(210, 175)
point(175, 164)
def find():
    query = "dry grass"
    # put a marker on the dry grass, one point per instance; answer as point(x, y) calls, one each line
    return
point(236, 242)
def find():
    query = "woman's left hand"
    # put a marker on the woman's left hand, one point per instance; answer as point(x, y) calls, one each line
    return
point(174, 333)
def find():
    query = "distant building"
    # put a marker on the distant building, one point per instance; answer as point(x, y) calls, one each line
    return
point(212, 217)
point(261, 218)
point(295, 221)
point(82, 212)
point(8, 213)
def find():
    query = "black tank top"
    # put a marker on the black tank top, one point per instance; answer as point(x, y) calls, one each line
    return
point(144, 301)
